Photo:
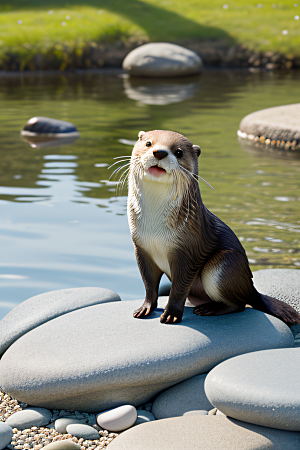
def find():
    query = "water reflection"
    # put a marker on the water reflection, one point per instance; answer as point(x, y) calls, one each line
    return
point(151, 91)
point(46, 141)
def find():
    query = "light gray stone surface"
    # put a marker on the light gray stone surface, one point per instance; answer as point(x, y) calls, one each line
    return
point(261, 388)
point(102, 357)
point(189, 395)
point(204, 433)
point(66, 444)
point(40, 309)
point(29, 417)
point(81, 430)
point(283, 284)
point(278, 123)
point(6, 435)
point(61, 424)
point(162, 59)
point(143, 416)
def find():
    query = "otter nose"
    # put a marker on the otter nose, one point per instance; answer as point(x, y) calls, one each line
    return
point(160, 154)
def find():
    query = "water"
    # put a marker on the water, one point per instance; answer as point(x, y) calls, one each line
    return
point(61, 223)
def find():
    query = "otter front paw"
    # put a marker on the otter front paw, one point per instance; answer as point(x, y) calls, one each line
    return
point(169, 317)
point(144, 310)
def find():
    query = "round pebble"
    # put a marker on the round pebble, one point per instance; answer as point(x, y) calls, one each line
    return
point(6, 434)
point(66, 444)
point(118, 419)
point(62, 423)
point(29, 417)
point(143, 416)
point(81, 430)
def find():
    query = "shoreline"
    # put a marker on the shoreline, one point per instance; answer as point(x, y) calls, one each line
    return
point(214, 54)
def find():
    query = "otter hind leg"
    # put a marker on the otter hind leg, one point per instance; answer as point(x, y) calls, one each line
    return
point(216, 309)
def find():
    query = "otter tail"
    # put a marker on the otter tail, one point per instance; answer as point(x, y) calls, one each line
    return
point(276, 308)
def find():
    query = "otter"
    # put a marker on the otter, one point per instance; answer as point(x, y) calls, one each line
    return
point(174, 233)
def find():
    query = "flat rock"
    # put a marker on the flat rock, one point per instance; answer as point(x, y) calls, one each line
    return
point(162, 59)
point(280, 123)
point(81, 430)
point(44, 307)
point(283, 284)
point(189, 395)
point(204, 432)
point(102, 357)
point(260, 388)
point(29, 417)
point(61, 424)
point(6, 434)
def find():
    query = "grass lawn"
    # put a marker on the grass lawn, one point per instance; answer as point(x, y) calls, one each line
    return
point(30, 27)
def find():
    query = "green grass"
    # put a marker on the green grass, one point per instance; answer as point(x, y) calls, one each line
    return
point(52, 27)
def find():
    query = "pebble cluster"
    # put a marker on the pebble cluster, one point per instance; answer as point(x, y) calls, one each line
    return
point(37, 438)
point(282, 144)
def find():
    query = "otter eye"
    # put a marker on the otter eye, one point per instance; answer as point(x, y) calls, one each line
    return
point(148, 144)
point(178, 153)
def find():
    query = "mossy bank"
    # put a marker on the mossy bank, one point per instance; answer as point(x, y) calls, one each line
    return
point(37, 35)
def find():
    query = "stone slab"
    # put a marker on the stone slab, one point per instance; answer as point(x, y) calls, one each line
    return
point(277, 123)
point(162, 59)
point(102, 357)
point(44, 307)
point(261, 388)
point(187, 396)
point(204, 433)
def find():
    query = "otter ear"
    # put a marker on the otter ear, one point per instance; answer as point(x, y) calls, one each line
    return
point(141, 134)
point(197, 149)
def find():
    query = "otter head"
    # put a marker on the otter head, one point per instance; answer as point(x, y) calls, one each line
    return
point(162, 154)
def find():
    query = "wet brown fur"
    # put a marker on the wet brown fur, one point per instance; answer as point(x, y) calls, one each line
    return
point(199, 246)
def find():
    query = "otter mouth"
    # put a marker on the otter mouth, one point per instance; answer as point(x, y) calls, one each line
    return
point(156, 171)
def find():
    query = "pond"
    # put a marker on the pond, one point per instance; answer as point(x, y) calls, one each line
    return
point(62, 224)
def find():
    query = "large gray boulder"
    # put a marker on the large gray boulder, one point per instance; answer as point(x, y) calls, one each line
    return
point(204, 433)
point(187, 396)
point(260, 388)
point(102, 357)
point(162, 59)
point(44, 307)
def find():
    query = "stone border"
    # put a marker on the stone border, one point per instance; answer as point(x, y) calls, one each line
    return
point(273, 143)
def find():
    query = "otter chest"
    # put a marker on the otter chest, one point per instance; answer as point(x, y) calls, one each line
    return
point(151, 229)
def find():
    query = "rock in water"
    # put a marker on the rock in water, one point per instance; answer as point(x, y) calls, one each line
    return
point(102, 357)
point(260, 388)
point(162, 59)
point(47, 126)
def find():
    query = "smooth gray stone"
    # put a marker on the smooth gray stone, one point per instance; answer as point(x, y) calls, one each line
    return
point(204, 432)
point(162, 59)
point(60, 425)
point(278, 123)
point(196, 412)
point(260, 388)
point(29, 417)
point(66, 444)
point(47, 125)
point(189, 395)
point(6, 435)
point(143, 417)
point(40, 309)
point(283, 284)
point(103, 357)
point(82, 431)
